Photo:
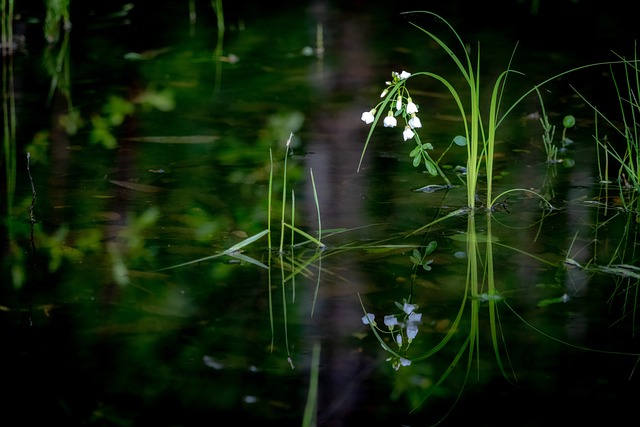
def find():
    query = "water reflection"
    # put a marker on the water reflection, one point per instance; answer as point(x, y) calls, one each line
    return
point(101, 332)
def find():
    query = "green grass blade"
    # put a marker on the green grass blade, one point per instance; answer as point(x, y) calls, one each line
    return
point(248, 259)
point(245, 242)
point(232, 251)
point(302, 233)
point(312, 394)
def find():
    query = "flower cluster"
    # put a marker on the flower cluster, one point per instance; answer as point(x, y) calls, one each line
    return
point(398, 96)
point(402, 331)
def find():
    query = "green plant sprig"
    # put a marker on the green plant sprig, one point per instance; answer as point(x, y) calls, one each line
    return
point(478, 136)
point(480, 145)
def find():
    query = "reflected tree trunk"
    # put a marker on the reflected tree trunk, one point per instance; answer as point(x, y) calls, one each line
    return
point(335, 141)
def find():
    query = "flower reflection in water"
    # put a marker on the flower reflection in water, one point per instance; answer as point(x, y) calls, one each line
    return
point(402, 329)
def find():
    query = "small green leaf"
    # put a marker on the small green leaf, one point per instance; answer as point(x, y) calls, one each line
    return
point(416, 161)
point(430, 247)
point(460, 141)
point(431, 168)
point(568, 121)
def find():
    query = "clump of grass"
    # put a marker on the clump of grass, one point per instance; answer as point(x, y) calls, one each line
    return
point(551, 148)
point(480, 125)
point(479, 130)
point(623, 145)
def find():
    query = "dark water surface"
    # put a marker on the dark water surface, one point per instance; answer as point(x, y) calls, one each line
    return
point(150, 153)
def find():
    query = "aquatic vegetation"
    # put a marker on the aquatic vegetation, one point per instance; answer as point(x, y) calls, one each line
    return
point(402, 329)
point(249, 256)
point(309, 416)
point(551, 148)
point(420, 259)
point(618, 152)
point(480, 294)
point(219, 11)
point(478, 135)
point(624, 128)
point(57, 19)
point(397, 94)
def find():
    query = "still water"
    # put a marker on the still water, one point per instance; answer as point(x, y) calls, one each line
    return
point(147, 278)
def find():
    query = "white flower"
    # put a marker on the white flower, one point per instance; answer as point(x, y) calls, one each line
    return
point(384, 93)
point(367, 116)
point(407, 133)
point(415, 122)
point(369, 318)
point(390, 321)
point(404, 75)
point(399, 102)
point(390, 121)
point(411, 107)
point(397, 362)
point(408, 308)
point(415, 317)
point(412, 331)
point(399, 340)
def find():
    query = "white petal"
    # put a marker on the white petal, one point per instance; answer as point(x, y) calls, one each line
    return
point(412, 331)
point(367, 117)
point(368, 318)
point(390, 122)
point(415, 122)
point(408, 308)
point(415, 317)
point(390, 320)
point(408, 133)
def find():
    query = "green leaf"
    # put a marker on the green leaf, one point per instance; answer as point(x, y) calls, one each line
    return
point(248, 259)
point(430, 247)
point(246, 242)
point(431, 168)
point(460, 141)
point(568, 121)
point(416, 161)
